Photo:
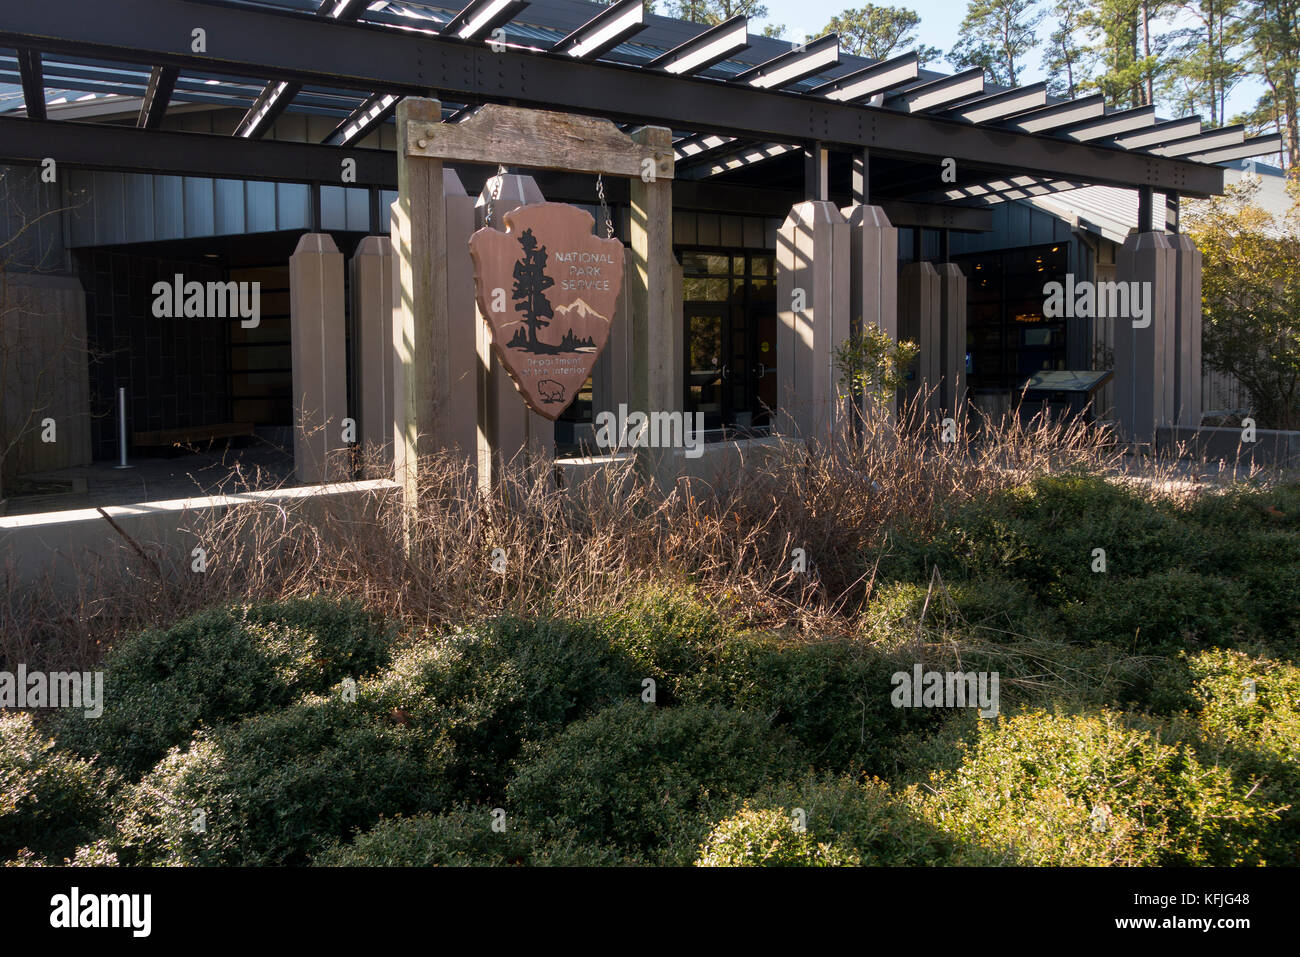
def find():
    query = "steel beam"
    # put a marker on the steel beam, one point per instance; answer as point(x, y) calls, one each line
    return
point(245, 41)
point(29, 70)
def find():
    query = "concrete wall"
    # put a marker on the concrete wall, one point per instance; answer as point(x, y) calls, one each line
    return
point(63, 548)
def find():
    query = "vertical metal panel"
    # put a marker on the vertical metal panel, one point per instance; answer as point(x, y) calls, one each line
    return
point(229, 213)
point(752, 232)
point(732, 232)
point(168, 207)
point(710, 232)
point(139, 207)
point(260, 207)
point(110, 226)
point(684, 229)
point(293, 206)
point(78, 193)
point(200, 206)
point(333, 208)
point(358, 209)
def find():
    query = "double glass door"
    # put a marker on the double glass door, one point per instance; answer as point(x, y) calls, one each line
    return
point(729, 302)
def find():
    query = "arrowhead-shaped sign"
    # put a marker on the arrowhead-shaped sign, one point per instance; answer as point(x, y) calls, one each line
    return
point(548, 289)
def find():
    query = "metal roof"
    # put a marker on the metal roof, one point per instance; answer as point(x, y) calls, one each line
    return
point(657, 44)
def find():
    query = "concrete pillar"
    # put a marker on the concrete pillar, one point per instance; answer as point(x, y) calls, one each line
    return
point(507, 427)
point(320, 398)
point(1144, 362)
point(952, 340)
point(813, 279)
point(1187, 332)
point(422, 415)
point(462, 318)
point(656, 333)
point(611, 376)
point(919, 306)
point(873, 289)
point(372, 322)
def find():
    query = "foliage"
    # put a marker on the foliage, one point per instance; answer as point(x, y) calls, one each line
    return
point(220, 666)
point(872, 364)
point(1251, 292)
point(879, 32)
point(51, 801)
point(647, 780)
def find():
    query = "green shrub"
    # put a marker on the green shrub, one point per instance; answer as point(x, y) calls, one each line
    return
point(1043, 534)
point(1049, 789)
point(1163, 612)
point(51, 801)
point(460, 838)
point(833, 697)
point(669, 635)
point(219, 666)
point(277, 787)
point(647, 780)
point(507, 682)
point(863, 821)
point(768, 838)
point(1249, 716)
point(98, 854)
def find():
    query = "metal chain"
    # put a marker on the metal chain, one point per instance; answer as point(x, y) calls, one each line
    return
point(604, 207)
point(494, 194)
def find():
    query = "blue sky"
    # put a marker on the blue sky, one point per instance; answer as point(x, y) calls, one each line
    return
point(940, 22)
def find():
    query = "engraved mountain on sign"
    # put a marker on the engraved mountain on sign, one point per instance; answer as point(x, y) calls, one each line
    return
point(548, 289)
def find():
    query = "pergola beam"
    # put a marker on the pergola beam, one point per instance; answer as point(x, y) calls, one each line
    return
point(162, 83)
point(29, 69)
point(309, 49)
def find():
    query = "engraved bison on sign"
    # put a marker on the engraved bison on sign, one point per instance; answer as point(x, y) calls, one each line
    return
point(548, 290)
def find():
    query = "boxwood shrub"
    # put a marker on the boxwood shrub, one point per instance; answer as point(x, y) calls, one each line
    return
point(647, 780)
point(218, 666)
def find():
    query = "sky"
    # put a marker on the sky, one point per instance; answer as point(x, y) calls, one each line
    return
point(940, 25)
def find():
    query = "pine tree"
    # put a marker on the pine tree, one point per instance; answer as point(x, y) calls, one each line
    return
point(530, 283)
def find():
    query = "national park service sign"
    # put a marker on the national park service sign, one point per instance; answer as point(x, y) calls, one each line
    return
point(548, 289)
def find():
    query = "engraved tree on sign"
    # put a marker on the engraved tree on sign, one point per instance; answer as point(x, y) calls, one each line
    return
point(529, 294)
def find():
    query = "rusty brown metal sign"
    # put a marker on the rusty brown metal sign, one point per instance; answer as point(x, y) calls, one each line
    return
point(548, 289)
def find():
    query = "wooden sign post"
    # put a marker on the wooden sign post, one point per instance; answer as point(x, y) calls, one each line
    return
point(535, 139)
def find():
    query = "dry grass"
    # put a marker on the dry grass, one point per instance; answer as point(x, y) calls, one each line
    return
point(574, 550)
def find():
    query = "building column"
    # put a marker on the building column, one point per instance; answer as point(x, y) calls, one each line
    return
point(952, 340)
point(372, 317)
point(317, 337)
point(813, 279)
point(873, 286)
point(920, 301)
point(463, 321)
point(1144, 366)
point(507, 427)
point(1187, 332)
point(656, 333)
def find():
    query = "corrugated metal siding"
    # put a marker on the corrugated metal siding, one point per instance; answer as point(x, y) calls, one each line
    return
point(113, 208)
point(33, 239)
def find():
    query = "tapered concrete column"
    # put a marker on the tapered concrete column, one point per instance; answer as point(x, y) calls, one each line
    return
point(920, 301)
point(422, 413)
point(1144, 363)
point(611, 376)
point(372, 322)
point(507, 426)
point(813, 282)
point(952, 339)
point(1187, 332)
point(656, 332)
point(873, 290)
point(317, 336)
point(462, 317)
